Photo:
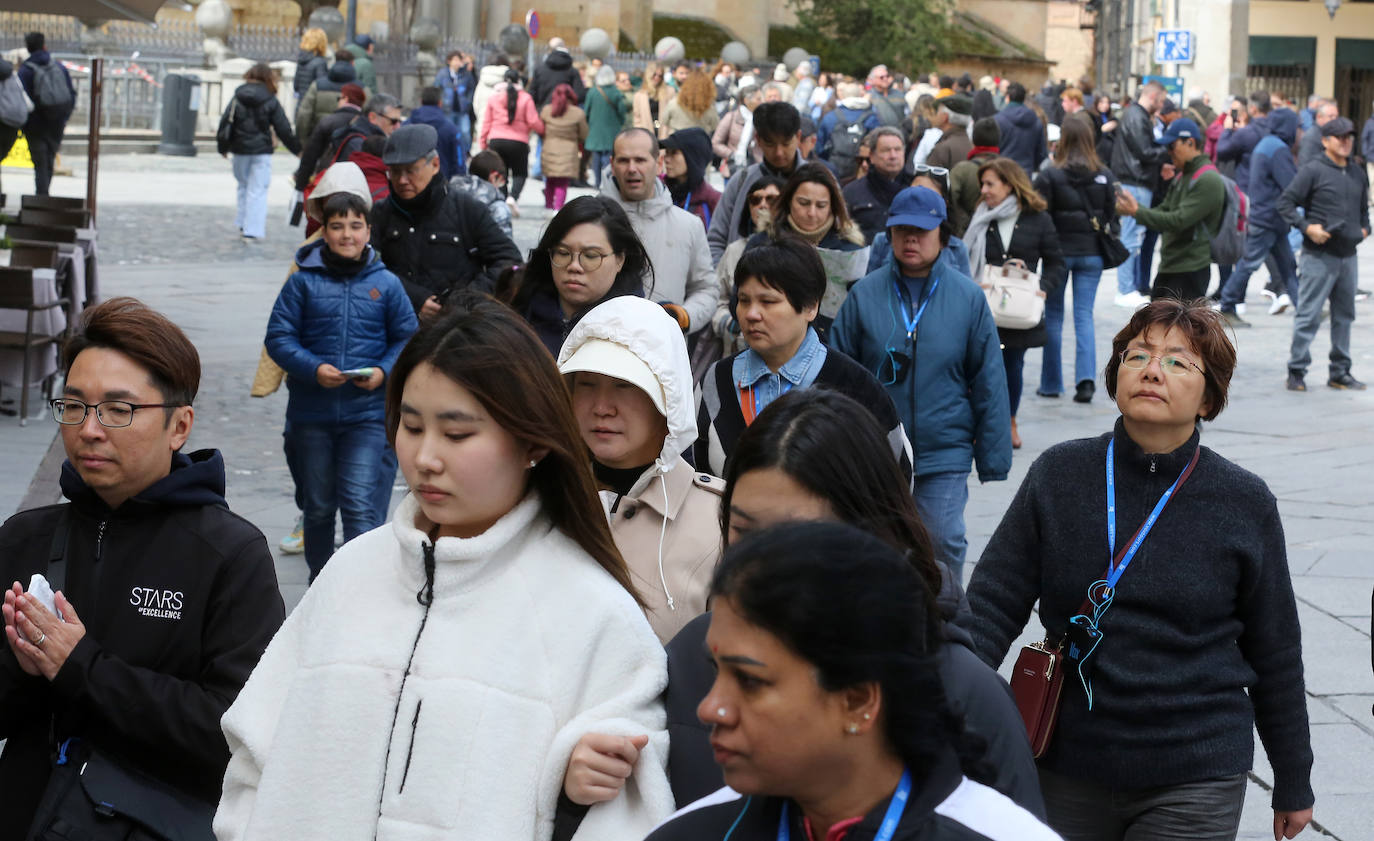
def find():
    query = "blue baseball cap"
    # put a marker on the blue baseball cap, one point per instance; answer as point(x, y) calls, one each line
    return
point(919, 207)
point(363, 41)
point(1182, 127)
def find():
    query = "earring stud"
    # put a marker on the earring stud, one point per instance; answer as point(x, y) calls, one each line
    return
point(533, 462)
point(867, 717)
point(852, 729)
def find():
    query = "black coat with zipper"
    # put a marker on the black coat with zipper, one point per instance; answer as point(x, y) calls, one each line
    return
point(1135, 156)
point(255, 114)
point(179, 599)
point(440, 241)
point(309, 68)
point(1064, 191)
point(1035, 243)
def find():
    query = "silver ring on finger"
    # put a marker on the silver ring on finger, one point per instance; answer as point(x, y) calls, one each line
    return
point(41, 636)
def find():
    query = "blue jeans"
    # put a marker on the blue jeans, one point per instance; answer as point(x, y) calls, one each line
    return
point(1084, 271)
point(1132, 236)
point(381, 500)
point(1013, 360)
point(940, 499)
point(1260, 242)
point(600, 160)
point(254, 174)
point(340, 467)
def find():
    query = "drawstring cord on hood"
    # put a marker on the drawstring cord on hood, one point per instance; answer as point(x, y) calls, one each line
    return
point(663, 533)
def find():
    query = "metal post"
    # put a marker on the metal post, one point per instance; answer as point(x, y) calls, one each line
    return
point(351, 24)
point(93, 134)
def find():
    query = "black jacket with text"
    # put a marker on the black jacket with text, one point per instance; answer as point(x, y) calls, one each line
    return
point(179, 598)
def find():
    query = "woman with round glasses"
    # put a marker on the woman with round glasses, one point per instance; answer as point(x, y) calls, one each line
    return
point(1165, 563)
point(588, 254)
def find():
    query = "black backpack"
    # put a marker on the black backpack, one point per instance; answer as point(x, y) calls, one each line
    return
point(845, 140)
point(50, 88)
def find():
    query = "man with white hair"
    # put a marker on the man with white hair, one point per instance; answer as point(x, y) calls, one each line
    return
point(953, 116)
point(1310, 146)
point(842, 130)
point(888, 103)
point(801, 93)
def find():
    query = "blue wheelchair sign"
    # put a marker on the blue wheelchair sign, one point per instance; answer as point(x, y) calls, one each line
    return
point(1174, 46)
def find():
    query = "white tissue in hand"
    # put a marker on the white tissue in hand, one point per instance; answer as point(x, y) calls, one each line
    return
point(40, 589)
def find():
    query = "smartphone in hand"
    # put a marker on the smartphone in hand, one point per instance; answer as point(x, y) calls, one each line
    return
point(358, 373)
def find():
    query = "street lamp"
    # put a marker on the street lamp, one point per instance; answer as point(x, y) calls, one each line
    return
point(1331, 7)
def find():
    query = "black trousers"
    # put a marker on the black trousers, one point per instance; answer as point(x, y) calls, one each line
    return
point(516, 156)
point(1182, 285)
point(1206, 810)
point(43, 145)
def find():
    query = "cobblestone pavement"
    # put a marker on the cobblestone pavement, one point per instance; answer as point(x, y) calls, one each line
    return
point(1316, 450)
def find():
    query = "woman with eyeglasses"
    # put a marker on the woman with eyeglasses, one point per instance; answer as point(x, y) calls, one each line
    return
point(1011, 225)
point(761, 198)
point(588, 254)
point(1166, 563)
point(811, 207)
point(828, 715)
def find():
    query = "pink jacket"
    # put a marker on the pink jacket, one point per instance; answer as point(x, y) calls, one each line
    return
point(496, 125)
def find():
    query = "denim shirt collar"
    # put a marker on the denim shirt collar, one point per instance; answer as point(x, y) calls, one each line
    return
point(752, 368)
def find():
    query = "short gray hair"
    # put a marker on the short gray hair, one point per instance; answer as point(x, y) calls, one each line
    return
point(955, 118)
point(380, 102)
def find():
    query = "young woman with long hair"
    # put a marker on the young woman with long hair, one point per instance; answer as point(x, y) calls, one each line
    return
point(436, 678)
point(510, 120)
point(1080, 196)
point(251, 118)
point(693, 107)
point(589, 252)
point(1011, 224)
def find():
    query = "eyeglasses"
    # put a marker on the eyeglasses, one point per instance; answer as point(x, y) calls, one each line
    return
point(1138, 360)
point(113, 414)
point(760, 199)
point(926, 169)
point(589, 260)
point(392, 120)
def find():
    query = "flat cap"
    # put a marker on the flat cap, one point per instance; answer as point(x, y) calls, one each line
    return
point(958, 103)
point(1338, 127)
point(408, 144)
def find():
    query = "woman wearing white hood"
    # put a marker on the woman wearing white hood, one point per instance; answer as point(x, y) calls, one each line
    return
point(627, 367)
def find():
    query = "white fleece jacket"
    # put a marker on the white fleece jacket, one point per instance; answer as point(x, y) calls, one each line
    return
point(528, 645)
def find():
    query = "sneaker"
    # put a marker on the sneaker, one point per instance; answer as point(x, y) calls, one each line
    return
point(1361, 294)
point(514, 206)
point(1268, 293)
point(1131, 300)
point(1295, 382)
point(294, 543)
point(1345, 381)
point(1240, 308)
point(1281, 304)
point(1234, 319)
point(1083, 393)
point(1039, 393)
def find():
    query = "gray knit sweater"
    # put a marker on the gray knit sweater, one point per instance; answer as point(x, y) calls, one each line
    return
point(1204, 614)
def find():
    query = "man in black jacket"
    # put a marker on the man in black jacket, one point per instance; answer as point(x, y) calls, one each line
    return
point(1333, 191)
point(49, 85)
point(350, 106)
point(869, 197)
point(1135, 161)
point(436, 240)
point(165, 600)
point(557, 69)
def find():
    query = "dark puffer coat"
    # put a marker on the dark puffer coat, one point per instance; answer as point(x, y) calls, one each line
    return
point(440, 241)
point(256, 114)
point(309, 68)
point(1064, 191)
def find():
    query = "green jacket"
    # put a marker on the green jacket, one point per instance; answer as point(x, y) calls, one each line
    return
point(362, 64)
point(1190, 213)
point(606, 108)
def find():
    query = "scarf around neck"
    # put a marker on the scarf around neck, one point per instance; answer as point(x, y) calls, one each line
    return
point(884, 189)
point(976, 237)
point(815, 236)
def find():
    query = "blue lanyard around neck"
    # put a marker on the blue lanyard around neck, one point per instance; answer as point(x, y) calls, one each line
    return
point(705, 209)
point(890, 820)
point(914, 318)
point(1115, 572)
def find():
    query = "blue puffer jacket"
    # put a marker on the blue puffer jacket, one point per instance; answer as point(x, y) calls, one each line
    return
point(352, 321)
point(954, 405)
point(1271, 168)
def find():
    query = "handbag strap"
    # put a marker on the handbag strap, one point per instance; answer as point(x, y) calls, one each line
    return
point(1087, 605)
point(1087, 205)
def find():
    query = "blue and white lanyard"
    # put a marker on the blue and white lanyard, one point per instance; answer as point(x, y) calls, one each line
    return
point(915, 318)
point(890, 820)
point(1115, 572)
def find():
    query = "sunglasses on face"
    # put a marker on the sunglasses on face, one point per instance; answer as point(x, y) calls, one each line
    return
point(759, 199)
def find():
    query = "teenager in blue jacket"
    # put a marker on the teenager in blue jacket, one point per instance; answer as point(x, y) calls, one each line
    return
point(336, 329)
point(925, 330)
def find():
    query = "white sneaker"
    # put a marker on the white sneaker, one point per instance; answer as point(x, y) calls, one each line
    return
point(514, 206)
point(1266, 292)
point(294, 543)
point(1281, 304)
point(1240, 308)
point(1131, 300)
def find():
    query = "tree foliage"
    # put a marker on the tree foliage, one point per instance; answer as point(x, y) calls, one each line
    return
point(853, 35)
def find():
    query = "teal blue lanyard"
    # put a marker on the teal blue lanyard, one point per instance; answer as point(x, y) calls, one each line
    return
point(890, 820)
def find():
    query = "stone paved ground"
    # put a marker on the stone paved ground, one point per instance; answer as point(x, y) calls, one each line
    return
point(168, 237)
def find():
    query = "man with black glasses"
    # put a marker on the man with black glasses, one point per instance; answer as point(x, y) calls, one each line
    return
point(164, 600)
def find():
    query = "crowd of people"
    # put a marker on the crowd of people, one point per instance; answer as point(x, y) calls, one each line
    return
point(682, 553)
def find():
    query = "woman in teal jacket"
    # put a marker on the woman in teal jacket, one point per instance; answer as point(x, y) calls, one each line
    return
point(606, 108)
point(940, 361)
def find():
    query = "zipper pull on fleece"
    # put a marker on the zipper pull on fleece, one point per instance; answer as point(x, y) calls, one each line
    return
point(100, 538)
point(1152, 463)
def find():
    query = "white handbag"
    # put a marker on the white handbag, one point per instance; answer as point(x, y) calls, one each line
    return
point(1014, 296)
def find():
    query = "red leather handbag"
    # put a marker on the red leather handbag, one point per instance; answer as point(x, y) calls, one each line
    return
point(1037, 684)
